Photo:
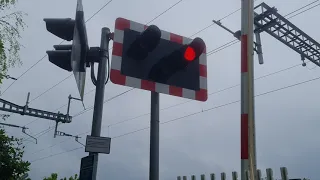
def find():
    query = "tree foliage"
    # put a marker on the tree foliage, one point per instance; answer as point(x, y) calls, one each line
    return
point(12, 167)
point(54, 176)
point(11, 25)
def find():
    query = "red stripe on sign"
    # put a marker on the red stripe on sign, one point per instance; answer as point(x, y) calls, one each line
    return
point(122, 24)
point(203, 70)
point(148, 85)
point(244, 53)
point(117, 78)
point(244, 136)
point(117, 49)
point(202, 95)
point(176, 91)
point(176, 38)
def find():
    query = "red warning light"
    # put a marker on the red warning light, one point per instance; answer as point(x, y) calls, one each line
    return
point(189, 54)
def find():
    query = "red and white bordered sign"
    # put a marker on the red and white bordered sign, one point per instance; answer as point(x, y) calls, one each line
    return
point(116, 77)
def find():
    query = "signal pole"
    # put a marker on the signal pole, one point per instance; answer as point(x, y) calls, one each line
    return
point(99, 97)
point(248, 146)
point(154, 137)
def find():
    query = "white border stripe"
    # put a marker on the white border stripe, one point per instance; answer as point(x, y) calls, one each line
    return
point(133, 82)
point(116, 62)
point(203, 82)
point(165, 35)
point(136, 26)
point(118, 36)
point(163, 88)
point(186, 40)
point(203, 59)
point(191, 94)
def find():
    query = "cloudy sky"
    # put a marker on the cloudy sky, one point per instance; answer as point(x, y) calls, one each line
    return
point(287, 121)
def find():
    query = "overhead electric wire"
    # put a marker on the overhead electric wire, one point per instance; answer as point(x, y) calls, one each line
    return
point(303, 11)
point(235, 41)
point(111, 48)
point(94, 14)
point(91, 108)
point(224, 17)
point(188, 115)
point(86, 110)
point(301, 8)
point(212, 52)
point(60, 107)
point(175, 105)
point(164, 11)
point(215, 50)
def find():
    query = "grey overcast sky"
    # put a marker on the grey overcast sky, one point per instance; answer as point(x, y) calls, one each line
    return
point(287, 121)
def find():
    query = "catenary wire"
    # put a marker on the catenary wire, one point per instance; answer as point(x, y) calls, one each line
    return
point(236, 42)
point(87, 110)
point(109, 49)
point(210, 53)
point(175, 105)
point(188, 115)
point(41, 59)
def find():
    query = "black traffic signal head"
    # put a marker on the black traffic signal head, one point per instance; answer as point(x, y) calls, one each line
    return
point(61, 56)
point(176, 61)
point(69, 29)
point(148, 56)
point(156, 60)
point(71, 57)
point(144, 43)
point(63, 28)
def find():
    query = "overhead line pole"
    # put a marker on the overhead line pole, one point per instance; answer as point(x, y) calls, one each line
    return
point(248, 145)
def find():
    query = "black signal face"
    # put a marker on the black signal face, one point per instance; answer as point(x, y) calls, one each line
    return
point(168, 62)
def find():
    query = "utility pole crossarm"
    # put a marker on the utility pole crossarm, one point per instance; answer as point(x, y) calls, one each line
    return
point(11, 107)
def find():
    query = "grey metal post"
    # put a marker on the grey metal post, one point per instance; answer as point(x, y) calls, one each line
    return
point(98, 101)
point(69, 101)
point(259, 47)
point(55, 129)
point(154, 137)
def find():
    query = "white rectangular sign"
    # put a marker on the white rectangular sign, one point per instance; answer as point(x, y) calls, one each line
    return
point(98, 144)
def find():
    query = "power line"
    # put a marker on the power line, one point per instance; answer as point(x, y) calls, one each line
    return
point(175, 105)
point(303, 11)
point(301, 8)
point(50, 88)
point(94, 14)
point(165, 11)
point(87, 110)
point(212, 52)
point(235, 41)
point(109, 49)
point(61, 106)
point(90, 108)
point(224, 46)
point(188, 115)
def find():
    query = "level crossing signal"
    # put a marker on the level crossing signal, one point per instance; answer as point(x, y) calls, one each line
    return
point(146, 57)
point(70, 57)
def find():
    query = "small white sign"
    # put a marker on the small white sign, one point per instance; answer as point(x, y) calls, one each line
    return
point(98, 144)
